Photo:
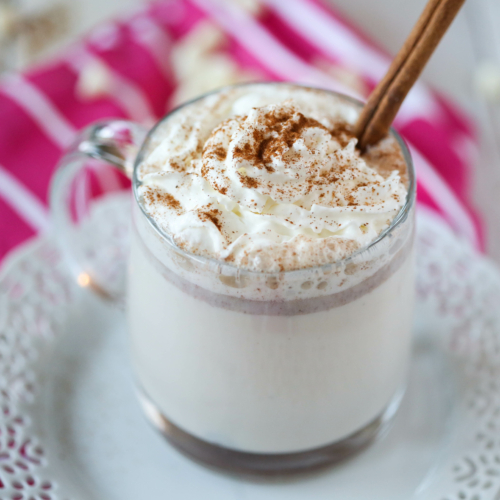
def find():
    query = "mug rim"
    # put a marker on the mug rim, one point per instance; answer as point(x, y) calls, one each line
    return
point(400, 217)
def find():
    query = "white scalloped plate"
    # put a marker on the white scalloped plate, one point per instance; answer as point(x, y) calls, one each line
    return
point(70, 427)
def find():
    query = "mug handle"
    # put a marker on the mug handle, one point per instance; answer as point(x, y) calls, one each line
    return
point(90, 205)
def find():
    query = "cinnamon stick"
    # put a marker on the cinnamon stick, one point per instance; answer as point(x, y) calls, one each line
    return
point(384, 102)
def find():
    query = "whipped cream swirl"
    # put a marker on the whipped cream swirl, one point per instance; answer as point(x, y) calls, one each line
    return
point(268, 179)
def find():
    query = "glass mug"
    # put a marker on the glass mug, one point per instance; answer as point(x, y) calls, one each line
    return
point(306, 374)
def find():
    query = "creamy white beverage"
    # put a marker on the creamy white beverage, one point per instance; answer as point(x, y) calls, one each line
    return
point(271, 283)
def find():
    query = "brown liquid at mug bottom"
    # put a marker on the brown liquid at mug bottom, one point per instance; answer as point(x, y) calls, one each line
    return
point(267, 464)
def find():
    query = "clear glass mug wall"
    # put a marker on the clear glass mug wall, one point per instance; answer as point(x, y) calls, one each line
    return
point(305, 372)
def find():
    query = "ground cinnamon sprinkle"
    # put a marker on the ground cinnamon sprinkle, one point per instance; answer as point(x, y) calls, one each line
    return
point(171, 202)
point(248, 182)
point(218, 151)
point(154, 196)
point(386, 157)
point(281, 129)
point(212, 216)
point(288, 126)
point(343, 133)
point(204, 170)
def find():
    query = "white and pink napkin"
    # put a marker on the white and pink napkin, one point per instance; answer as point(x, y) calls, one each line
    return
point(141, 66)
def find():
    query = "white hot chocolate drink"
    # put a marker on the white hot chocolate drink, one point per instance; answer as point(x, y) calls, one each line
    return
point(271, 281)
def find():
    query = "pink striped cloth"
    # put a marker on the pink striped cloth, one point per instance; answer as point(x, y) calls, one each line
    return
point(171, 48)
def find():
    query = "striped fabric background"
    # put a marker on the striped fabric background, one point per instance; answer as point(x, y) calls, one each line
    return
point(139, 67)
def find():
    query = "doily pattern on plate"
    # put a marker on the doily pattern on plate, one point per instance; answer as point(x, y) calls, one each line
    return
point(33, 294)
point(458, 288)
point(462, 291)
